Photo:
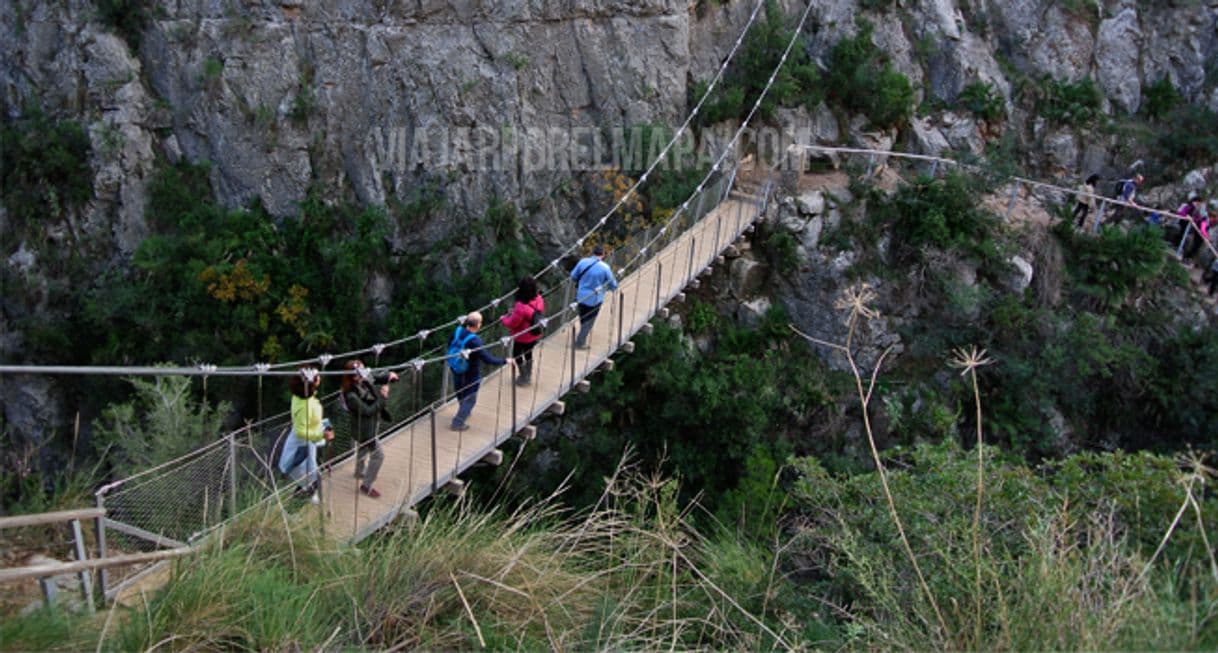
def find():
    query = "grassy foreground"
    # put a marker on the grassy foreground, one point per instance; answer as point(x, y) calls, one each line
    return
point(631, 574)
point(1046, 570)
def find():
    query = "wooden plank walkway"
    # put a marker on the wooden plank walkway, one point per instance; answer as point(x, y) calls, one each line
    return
point(504, 408)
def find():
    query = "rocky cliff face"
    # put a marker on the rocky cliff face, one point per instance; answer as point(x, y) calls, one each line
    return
point(280, 94)
point(366, 99)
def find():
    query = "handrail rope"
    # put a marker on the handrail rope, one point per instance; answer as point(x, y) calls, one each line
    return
point(1165, 213)
point(279, 369)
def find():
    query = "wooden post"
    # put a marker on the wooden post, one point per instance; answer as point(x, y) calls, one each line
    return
point(86, 581)
point(49, 592)
point(621, 316)
point(689, 268)
point(574, 327)
point(659, 275)
point(232, 474)
point(718, 231)
point(434, 473)
point(515, 378)
point(103, 577)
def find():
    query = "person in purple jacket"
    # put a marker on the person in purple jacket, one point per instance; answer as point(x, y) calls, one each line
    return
point(467, 382)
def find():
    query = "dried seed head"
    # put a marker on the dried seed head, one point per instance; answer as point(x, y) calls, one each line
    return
point(856, 299)
point(967, 361)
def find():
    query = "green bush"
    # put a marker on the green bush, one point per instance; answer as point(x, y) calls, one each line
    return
point(797, 82)
point(1111, 267)
point(674, 404)
point(861, 79)
point(942, 214)
point(44, 172)
point(1188, 138)
point(674, 179)
point(1070, 103)
point(1062, 560)
point(782, 249)
point(160, 422)
point(464, 578)
point(983, 101)
point(1160, 98)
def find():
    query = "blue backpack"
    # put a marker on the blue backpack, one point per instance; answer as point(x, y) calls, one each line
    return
point(456, 362)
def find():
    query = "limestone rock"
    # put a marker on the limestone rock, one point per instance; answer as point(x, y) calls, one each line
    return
point(1195, 180)
point(1021, 276)
point(963, 133)
point(789, 217)
point(927, 138)
point(811, 203)
point(1117, 58)
point(1044, 37)
point(1061, 149)
point(747, 277)
point(810, 238)
point(750, 313)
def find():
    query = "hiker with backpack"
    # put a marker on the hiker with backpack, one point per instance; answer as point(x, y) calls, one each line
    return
point(310, 430)
point(1126, 192)
point(364, 395)
point(466, 352)
point(525, 323)
point(592, 277)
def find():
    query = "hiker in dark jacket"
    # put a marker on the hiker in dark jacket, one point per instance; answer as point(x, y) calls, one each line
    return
point(364, 394)
point(467, 382)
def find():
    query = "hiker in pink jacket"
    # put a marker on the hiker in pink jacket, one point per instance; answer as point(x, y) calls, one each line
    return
point(525, 324)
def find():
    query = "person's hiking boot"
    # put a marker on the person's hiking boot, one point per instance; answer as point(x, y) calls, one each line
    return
point(371, 492)
point(458, 427)
point(522, 381)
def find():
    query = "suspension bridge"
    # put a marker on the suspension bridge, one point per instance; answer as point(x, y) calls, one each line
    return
point(169, 509)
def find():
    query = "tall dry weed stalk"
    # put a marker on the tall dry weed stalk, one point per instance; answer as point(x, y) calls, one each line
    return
point(856, 301)
point(968, 362)
point(1103, 585)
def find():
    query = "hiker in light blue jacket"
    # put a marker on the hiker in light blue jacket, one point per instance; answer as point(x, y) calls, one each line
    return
point(593, 278)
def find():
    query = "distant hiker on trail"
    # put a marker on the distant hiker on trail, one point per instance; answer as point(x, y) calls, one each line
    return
point(467, 373)
point(524, 325)
point(1193, 213)
point(1127, 194)
point(365, 403)
point(309, 431)
point(1085, 200)
point(592, 277)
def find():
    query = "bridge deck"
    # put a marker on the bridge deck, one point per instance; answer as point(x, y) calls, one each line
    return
point(504, 408)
